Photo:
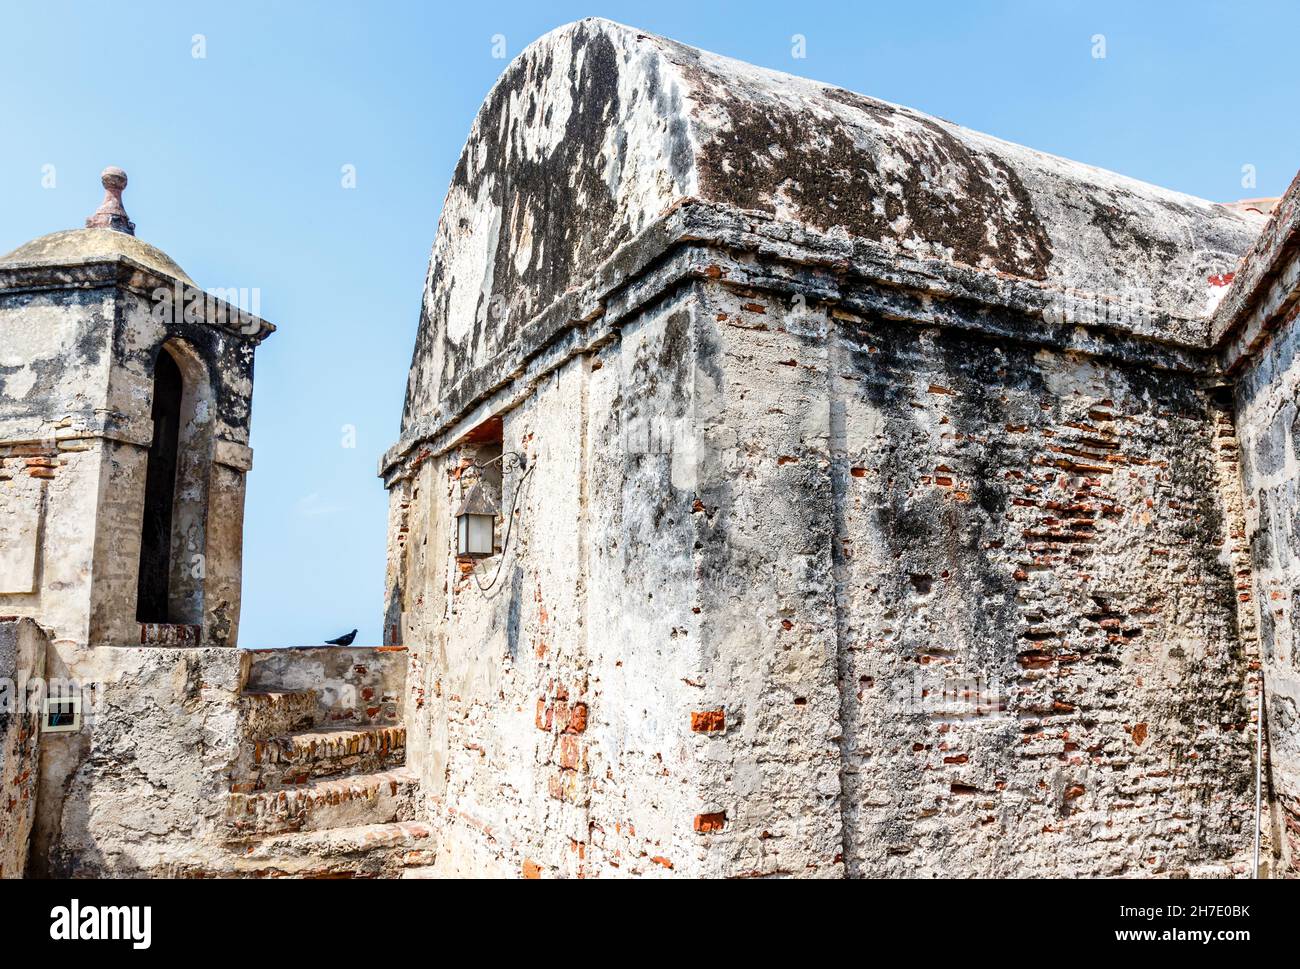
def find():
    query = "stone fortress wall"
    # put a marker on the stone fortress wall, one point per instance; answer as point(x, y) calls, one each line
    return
point(1258, 337)
point(883, 513)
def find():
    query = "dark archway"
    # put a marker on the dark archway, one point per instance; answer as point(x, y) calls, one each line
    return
point(152, 602)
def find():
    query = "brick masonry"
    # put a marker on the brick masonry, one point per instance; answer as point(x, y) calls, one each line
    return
point(867, 545)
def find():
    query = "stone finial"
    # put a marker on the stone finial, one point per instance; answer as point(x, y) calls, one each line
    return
point(111, 214)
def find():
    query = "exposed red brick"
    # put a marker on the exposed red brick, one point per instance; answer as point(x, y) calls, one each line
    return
point(708, 721)
point(570, 752)
point(577, 718)
point(705, 823)
point(1035, 659)
point(531, 869)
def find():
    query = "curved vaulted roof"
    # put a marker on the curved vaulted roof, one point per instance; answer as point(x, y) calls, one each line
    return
point(596, 129)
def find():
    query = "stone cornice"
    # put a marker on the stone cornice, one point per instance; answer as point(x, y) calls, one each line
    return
point(1258, 266)
point(702, 240)
point(123, 272)
point(1265, 294)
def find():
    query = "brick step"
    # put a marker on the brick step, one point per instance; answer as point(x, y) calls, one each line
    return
point(358, 799)
point(273, 713)
point(297, 758)
point(360, 851)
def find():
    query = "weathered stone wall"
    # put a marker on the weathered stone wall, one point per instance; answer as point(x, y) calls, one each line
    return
point(55, 359)
point(834, 442)
point(545, 714)
point(1267, 391)
point(975, 611)
point(1255, 333)
point(166, 777)
point(22, 665)
point(141, 788)
point(353, 684)
point(757, 547)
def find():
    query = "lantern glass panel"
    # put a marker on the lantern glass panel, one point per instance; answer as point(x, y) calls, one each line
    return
point(480, 534)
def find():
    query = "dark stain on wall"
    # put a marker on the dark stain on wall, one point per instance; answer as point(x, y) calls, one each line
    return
point(830, 172)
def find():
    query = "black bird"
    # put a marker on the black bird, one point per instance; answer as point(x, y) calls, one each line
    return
point(342, 640)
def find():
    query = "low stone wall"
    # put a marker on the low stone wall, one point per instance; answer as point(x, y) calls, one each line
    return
point(140, 789)
point(143, 788)
point(22, 659)
point(353, 684)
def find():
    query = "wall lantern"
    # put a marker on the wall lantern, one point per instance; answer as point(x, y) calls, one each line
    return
point(476, 518)
point(476, 522)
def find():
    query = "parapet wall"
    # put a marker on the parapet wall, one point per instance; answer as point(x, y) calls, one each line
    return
point(144, 787)
point(596, 129)
point(140, 789)
point(353, 684)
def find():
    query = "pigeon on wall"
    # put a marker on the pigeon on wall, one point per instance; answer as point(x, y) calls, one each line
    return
point(342, 640)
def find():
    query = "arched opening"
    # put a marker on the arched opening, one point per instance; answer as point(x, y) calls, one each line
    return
point(173, 539)
point(153, 599)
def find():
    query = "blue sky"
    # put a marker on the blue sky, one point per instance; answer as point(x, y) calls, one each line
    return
point(236, 158)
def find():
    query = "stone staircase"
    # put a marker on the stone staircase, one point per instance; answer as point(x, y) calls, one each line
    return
point(321, 793)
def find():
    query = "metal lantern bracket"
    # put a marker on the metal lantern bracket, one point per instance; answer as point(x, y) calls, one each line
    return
point(510, 462)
